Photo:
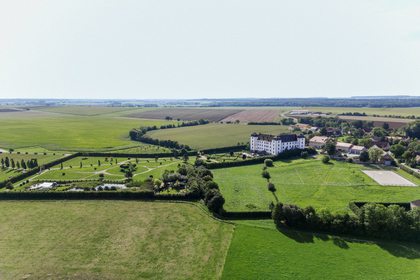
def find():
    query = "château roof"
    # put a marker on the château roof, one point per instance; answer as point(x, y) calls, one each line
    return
point(280, 137)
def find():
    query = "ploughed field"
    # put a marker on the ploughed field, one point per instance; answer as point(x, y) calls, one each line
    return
point(214, 135)
point(307, 182)
point(82, 168)
point(110, 240)
point(54, 131)
point(259, 251)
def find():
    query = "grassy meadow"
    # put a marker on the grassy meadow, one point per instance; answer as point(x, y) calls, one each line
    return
point(214, 135)
point(307, 182)
point(259, 251)
point(110, 240)
point(68, 132)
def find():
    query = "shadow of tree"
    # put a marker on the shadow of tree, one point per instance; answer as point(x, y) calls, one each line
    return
point(396, 248)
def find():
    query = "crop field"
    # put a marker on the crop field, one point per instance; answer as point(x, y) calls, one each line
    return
point(67, 132)
point(307, 182)
point(90, 167)
point(84, 110)
point(9, 172)
point(259, 251)
point(110, 240)
point(186, 114)
point(255, 115)
point(379, 121)
point(215, 135)
point(369, 111)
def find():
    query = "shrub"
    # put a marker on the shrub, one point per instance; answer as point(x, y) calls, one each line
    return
point(268, 162)
point(325, 159)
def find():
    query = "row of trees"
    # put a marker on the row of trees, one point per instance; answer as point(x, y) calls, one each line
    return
point(373, 220)
point(22, 164)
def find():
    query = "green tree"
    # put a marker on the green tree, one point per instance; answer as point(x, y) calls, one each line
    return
point(375, 154)
point(330, 147)
point(364, 156)
point(397, 150)
point(268, 162)
point(271, 187)
point(325, 159)
point(266, 175)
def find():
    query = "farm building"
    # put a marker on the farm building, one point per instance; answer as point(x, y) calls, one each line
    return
point(318, 142)
point(43, 186)
point(275, 145)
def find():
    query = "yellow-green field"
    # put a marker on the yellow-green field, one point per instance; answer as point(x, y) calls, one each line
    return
point(68, 132)
point(110, 240)
point(214, 135)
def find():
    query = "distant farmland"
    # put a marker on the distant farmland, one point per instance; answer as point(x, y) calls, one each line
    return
point(187, 114)
point(379, 121)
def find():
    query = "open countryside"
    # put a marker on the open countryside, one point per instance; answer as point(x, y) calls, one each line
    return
point(123, 208)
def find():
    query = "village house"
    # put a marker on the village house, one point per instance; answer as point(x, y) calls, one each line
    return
point(386, 159)
point(357, 150)
point(318, 142)
point(275, 145)
point(343, 147)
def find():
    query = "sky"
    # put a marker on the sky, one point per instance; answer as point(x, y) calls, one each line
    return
point(208, 49)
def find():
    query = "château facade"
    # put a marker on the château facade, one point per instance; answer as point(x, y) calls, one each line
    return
point(275, 145)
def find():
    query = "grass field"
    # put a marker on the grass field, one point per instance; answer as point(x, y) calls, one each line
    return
point(67, 132)
point(110, 240)
point(189, 114)
point(262, 252)
point(214, 135)
point(369, 111)
point(307, 182)
point(110, 167)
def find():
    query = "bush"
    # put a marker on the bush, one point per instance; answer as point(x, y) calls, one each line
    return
point(325, 159)
point(268, 162)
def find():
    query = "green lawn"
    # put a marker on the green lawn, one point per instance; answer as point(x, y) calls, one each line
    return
point(110, 240)
point(67, 132)
point(111, 169)
point(262, 252)
point(214, 135)
point(306, 182)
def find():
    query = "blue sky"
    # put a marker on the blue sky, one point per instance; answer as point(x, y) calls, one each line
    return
point(209, 49)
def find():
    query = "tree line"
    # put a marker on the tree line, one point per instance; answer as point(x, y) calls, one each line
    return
point(22, 164)
point(372, 220)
